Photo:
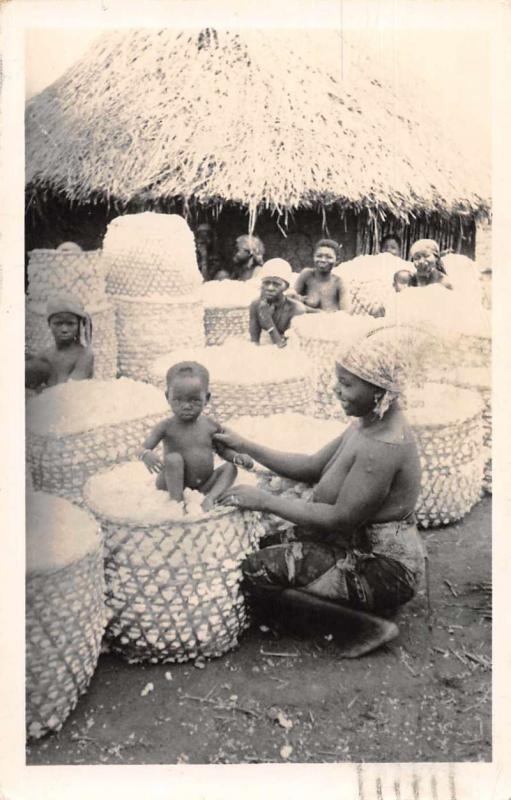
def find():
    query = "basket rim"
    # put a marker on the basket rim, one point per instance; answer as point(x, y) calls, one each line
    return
point(96, 551)
point(159, 299)
point(98, 428)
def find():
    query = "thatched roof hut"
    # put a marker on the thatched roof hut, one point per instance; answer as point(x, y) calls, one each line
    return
point(274, 120)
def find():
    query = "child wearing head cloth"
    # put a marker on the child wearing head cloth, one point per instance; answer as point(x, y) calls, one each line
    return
point(272, 311)
point(70, 357)
point(187, 438)
point(426, 258)
point(317, 287)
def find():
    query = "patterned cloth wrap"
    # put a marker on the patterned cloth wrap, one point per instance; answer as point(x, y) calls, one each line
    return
point(379, 572)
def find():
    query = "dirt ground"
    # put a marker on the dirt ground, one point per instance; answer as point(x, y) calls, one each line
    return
point(424, 697)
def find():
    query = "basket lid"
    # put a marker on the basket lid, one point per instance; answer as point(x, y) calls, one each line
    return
point(58, 533)
point(79, 406)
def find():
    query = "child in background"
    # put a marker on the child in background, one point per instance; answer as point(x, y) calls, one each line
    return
point(71, 357)
point(391, 244)
point(317, 288)
point(187, 436)
point(272, 311)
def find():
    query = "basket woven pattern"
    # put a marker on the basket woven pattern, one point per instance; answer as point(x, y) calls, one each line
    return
point(143, 272)
point(104, 342)
point(261, 399)
point(53, 272)
point(460, 351)
point(61, 464)
point(452, 460)
point(148, 330)
point(65, 620)
point(224, 323)
point(366, 296)
point(322, 354)
point(174, 589)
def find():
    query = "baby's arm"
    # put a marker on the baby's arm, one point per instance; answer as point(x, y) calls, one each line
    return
point(152, 462)
point(84, 367)
point(227, 453)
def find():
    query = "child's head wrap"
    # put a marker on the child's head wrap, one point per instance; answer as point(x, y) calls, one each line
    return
point(276, 268)
point(69, 304)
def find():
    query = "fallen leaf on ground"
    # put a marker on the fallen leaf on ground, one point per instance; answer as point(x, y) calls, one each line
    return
point(286, 751)
point(147, 688)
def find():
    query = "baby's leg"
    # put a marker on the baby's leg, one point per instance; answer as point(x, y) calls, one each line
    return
point(171, 478)
point(220, 480)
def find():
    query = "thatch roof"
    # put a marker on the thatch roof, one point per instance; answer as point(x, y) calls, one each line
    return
point(264, 118)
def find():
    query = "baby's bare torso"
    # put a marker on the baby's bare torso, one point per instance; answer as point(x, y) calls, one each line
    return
point(61, 363)
point(194, 443)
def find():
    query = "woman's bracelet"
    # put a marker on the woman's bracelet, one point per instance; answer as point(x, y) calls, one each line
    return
point(269, 330)
point(142, 454)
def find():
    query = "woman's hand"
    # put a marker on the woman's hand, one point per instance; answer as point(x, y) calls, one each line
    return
point(248, 497)
point(229, 438)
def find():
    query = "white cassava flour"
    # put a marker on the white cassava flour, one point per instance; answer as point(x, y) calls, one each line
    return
point(58, 533)
point(78, 406)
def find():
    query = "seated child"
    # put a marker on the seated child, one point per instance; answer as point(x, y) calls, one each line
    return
point(402, 279)
point(272, 311)
point(71, 357)
point(317, 288)
point(426, 258)
point(391, 244)
point(187, 436)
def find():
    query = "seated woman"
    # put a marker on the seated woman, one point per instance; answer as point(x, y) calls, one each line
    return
point(248, 257)
point(356, 548)
point(317, 288)
point(70, 357)
point(425, 256)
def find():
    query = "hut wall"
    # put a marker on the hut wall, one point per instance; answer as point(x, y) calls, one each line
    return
point(483, 243)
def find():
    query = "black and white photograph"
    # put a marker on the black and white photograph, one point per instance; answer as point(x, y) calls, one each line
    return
point(255, 276)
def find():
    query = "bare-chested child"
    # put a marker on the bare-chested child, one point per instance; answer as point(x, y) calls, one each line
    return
point(317, 288)
point(187, 437)
point(402, 279)
point(70, 357)
point(272, 311)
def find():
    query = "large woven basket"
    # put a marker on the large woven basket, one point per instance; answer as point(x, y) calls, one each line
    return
point(477, 379)
point(449, 431)
point(61, 463)
point(174, 587)
point(244, 378)
point(221, 324)
point(65, 620)
point(149, 327)
point(54, 272)
point(150, 254)
point(104, 340)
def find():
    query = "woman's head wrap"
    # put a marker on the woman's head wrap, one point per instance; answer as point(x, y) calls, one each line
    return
point(69, 304)
point(425, 244)
point(376, 359)
point(254, 245)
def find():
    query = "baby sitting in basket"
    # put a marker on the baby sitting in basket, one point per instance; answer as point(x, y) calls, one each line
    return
point(187, 436)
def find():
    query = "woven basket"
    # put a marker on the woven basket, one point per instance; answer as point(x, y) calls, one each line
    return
point(174, 587)
point(54, 272)
point(253, 394)
point(139, 272)
point(65, 620)
point(149, 327)
point(451, 450)
point(61, 463)
point(104, 342)
point(477, 379)
point(224, 323)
